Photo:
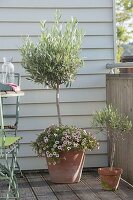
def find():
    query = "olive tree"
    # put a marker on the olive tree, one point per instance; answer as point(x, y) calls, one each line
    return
point(55, 59)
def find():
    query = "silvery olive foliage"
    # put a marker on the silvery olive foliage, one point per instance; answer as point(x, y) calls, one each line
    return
point(115, 125)
point(55, 59)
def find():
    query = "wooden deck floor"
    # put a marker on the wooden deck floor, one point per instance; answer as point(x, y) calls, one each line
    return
point(37, 186)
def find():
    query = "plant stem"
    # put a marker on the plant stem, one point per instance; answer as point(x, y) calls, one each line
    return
point(112, 154)
point(57, 105)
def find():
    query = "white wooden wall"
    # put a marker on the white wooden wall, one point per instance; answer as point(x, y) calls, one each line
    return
point(87, 94)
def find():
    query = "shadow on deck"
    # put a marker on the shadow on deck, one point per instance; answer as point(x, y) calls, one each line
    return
point(37, 186)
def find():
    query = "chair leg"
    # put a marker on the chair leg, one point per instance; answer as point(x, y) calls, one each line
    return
point(17, 166)
point(13, 185)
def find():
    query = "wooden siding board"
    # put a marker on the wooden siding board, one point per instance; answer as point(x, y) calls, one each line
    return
point(38, 122)
point(89, 42)
point(59, 3)
point(36, 15)
point(22, 29)
point(94, 67)
point(82, 81)
point(87, 54)
point(77, 108)
point(65, 96)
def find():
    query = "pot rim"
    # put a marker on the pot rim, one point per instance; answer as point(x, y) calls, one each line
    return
point(107, 171)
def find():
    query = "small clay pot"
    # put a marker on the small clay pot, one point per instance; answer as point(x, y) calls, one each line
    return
point(110, 178)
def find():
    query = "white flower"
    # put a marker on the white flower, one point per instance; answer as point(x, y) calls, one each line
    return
point(68, 148)
point(85, 133)
point(60, 147)
point(65, 142)
point(54, 145)
point(47, 152)
point(74, 134)
point(75, 144)
point(57, 142)
point(54, 153)
point(69, 143)
point(83, 143)
point(57, 155)
point(45, 139)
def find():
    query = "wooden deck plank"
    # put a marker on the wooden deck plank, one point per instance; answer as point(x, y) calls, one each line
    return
point(37, 186)
point(83, 191)
point(40, 187)
point(92, 180)
point(125, 191)
point(25, 189)
point(62, 191)
point(27, 198)
point(3, 189)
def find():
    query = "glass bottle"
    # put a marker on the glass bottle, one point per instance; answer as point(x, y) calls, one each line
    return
point(7, 71)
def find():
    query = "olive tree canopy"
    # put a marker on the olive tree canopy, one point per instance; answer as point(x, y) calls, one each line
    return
point(55, 59)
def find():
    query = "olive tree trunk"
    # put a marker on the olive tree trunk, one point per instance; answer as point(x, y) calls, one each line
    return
point(112, 153)
point(57, 105)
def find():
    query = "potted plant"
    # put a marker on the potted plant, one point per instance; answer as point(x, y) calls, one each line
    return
point(116, 126)
point(54, 61)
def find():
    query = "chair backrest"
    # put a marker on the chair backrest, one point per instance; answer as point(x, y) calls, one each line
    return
point(2, 132)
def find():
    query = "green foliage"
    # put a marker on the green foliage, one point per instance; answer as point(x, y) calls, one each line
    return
point(115, 125)
point(124, 10)
point(54, 60)
point(55, 139)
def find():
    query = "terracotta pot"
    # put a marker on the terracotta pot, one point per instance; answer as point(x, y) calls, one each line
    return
point(68, 170)
point(110, 178)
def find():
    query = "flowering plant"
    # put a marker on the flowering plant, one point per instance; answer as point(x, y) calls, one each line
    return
point(56, 139)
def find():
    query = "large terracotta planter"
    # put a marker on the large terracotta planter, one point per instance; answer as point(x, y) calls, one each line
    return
point(68, 170)
point(110, 178)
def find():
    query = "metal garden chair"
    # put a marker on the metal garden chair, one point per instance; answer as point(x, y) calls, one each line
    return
point(9, 146)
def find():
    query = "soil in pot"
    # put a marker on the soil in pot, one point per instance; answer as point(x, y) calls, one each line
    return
point(68, 170)
point(110, 178)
